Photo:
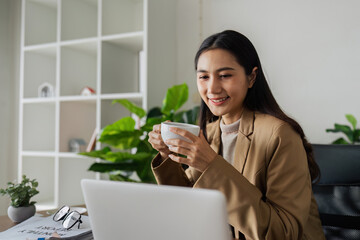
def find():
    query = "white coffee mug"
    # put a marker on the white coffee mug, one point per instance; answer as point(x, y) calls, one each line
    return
point(166, 134)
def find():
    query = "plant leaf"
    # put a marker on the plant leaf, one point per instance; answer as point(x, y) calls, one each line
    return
point(116, 157)
point(96, 153)
point(340, 141)
point(124, 124)
point(109, 167)
point(145, 173)
point(122, 156)
point(351, 120)
point(145, 146)
point(190, 116)
point(21, 193)
point(120, 177)
point(175, 97)
point(357, 135)
point(346, 130)
point(122, 140)
point(131, 107)
point(150, 122)
point(154, 113)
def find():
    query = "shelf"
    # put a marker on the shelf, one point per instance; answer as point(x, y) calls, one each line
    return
point(70, 155)
point(120, 69)
point(70, 192)
point(77, 121)
point(68, 45)
point(91, 98)
point(42, 169)
point(39, 68)
point(50, 154)
point(79, 19)
point(122, 16)
point(135, 96)
point(49, 100)
point(37, 154)
point(78, 42)
point(133, 41)
point(46, 48)
point(39, 124)
point(78, 68)
point(40, 21)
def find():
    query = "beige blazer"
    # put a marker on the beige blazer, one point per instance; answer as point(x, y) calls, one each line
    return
point(268, 189)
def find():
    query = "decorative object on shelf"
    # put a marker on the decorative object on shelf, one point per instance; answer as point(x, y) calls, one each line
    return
point(125, 137)
point(92, 143)
point(87, 91)
point(46, 90)
point(351, 132)
point(75, 145)
point(20, 194)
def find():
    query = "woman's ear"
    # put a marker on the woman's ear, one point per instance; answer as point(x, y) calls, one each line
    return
point(252, 77)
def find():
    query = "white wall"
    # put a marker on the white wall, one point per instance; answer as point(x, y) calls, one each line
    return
point(309, 49)
point(9, 65)
point(188, 41)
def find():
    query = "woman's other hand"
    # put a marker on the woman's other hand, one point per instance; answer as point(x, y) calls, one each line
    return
point(198, 151)
point(157, 142)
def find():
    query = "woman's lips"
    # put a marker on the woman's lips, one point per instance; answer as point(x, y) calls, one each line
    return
point(218, 101)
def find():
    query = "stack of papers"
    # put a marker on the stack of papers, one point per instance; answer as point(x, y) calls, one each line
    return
point(44, 227)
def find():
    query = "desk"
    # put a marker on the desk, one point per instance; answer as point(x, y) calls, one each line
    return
point(6, 223)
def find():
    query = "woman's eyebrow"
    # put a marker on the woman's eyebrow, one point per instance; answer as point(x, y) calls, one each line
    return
point(224, 69)
point(218, 70)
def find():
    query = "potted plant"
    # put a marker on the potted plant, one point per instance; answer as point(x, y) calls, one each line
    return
point(127, 149)
point(20, 194)
point(351, 132)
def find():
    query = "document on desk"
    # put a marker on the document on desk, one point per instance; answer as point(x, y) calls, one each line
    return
point(44, 227)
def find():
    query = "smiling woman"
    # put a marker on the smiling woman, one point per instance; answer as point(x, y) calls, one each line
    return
point(223, 83)
point(248, 148)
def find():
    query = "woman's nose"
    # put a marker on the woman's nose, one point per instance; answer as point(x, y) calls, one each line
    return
point(214, 86)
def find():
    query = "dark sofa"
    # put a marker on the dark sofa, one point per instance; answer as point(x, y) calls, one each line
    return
point(338, 191)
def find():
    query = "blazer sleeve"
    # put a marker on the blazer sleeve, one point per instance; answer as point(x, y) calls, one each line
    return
point(168, 172)
point(282, 211)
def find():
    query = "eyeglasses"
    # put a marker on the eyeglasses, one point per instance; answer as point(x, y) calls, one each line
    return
point(69, 218)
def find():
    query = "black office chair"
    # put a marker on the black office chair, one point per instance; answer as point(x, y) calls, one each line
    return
point(338, 191)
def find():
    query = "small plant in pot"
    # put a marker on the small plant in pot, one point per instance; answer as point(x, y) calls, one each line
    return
point(21, 208)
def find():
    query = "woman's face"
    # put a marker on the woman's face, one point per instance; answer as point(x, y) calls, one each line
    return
point(223, 84)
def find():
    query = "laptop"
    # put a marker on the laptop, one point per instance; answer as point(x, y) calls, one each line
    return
point(138, 211)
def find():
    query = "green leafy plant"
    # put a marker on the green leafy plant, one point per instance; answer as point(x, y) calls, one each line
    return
point(21, 193)
point(127, 149)
point(351, 132)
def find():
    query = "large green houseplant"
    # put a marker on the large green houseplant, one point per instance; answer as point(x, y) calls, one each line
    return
point(351, 132)
point(127, 149)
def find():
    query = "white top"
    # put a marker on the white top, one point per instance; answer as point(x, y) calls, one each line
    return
point(229, 135)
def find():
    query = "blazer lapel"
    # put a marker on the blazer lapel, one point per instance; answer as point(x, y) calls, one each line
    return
point(214, 137)
point(243, 141)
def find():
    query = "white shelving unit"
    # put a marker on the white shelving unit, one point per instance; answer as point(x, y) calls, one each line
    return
point(123, 49)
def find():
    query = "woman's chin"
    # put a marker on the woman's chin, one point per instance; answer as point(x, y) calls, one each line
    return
point(216, 112)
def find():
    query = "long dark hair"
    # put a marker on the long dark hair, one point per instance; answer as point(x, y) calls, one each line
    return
point(259, 98)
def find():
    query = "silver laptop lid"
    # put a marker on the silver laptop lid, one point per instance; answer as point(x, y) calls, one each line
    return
point(134, 211)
